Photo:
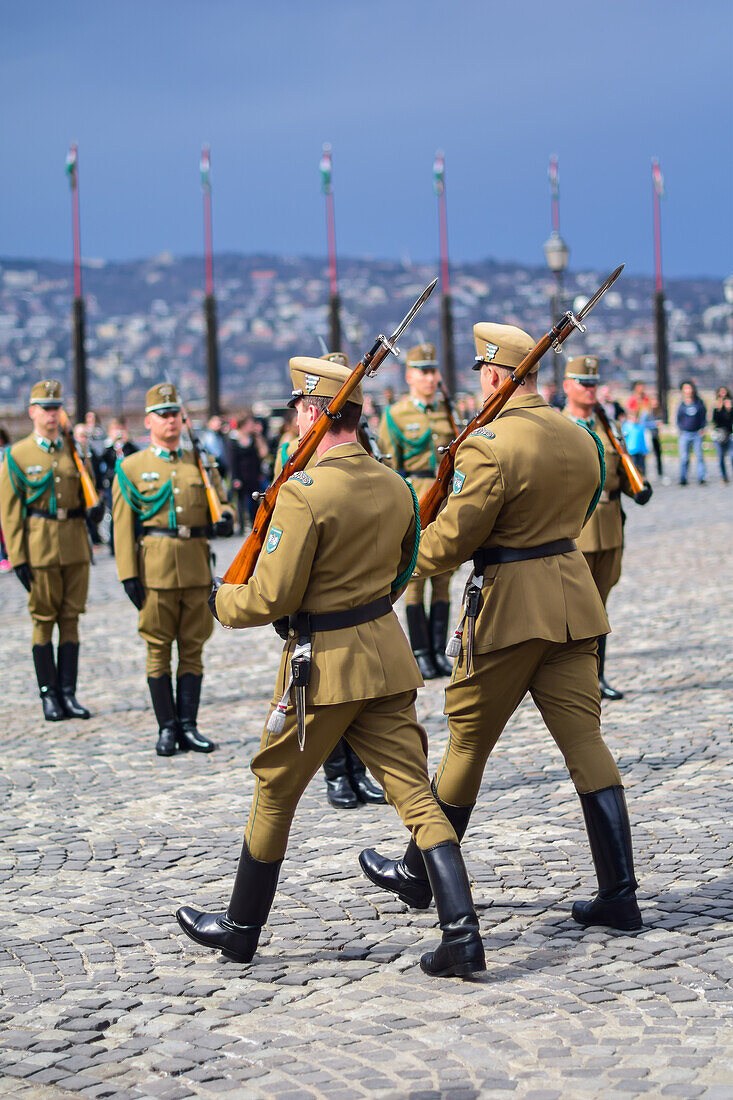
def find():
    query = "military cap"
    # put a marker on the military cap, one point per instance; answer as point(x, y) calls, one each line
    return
point(423, 357)
point(336, 357)
point(501, 345)
point(161, 397)
point(320, 378)
point(583, 368)
point(47, 394)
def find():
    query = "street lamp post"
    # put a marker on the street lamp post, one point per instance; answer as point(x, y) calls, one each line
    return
point(557, 255)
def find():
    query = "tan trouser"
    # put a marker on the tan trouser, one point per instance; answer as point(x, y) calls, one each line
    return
point(178, 615)
point(387, 737)
point(563, 682)
point(58, 595)
point(440, 589)
point(605, 565)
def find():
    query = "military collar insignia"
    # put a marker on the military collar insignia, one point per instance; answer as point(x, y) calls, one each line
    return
point(589, 423)
point(47, 445)
point(311, 381)
point(458, 480)
point(302, 477)
point(273, 539)
point(168, 456)
point(485, 432)
point(421, 405)
point(149, 475)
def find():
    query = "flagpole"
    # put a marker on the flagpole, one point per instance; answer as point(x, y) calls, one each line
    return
point(660, 314)
point(557, 254)
point(446, 312)
point(77, 309)
point(212, 347)
point(334, 303)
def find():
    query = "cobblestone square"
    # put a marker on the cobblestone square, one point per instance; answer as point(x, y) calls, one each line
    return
point(102, 996)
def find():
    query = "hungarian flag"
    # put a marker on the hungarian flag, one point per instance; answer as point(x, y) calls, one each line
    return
point(70, 166)
point(325, 169)
point(554, 177)
point(439, 173)
point(205, 167)
point(657, 179)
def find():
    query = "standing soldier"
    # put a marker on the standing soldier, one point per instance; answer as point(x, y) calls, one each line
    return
point(522, 490)
point(44, 527)
point(347, 782)
point(410, 432)
point(602, 539)
point(162, 521)
point(342, 540)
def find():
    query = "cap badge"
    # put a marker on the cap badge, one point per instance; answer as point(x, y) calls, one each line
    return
point(50, 389)
point(311, 381)
point(490, 352)
point(589, 362)
point(165, 391)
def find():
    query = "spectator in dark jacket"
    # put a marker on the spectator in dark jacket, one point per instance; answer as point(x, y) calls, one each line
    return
point(691, 421)
point(247, 452)
point(723, 427)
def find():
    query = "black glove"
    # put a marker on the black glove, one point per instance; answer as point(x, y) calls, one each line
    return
point(224, 527)
point(281, 627)
point(24, 573)
point(215, 586)
point(95, 514)
point(644, 494)
point(134, 591)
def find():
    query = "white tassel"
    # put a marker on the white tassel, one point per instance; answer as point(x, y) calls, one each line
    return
point(453, 648)
point(276, 721)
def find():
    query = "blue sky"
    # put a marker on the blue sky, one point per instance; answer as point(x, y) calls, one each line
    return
point(498, 85)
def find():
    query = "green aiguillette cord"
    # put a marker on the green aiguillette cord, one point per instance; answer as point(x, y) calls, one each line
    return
point(405, 576)
point(411, 447)
point(602, 462)
point(31, 491)
point(146, 506)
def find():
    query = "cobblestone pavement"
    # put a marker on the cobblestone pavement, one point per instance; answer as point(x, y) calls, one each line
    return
point(102, 996)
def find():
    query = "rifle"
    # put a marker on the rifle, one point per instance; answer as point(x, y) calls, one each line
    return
point(641, 488)
point(432, 500)
point(212, 498)
point(448, 408)
point(91, 496)
point(244, 563)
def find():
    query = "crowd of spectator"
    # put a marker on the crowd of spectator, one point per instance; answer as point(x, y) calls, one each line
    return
point(246, 447)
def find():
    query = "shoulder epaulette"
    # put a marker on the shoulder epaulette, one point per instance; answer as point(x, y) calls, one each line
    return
point(485, 432)
point(302, 477)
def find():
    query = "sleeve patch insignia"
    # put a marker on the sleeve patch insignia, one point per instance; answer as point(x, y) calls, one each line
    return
point(458, 480)
point(484, 432)
point(149, 475)
point(302, 477)
point(273, 539)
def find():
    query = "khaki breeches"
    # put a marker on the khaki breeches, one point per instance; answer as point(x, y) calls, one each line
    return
point(178, 615)
point(388, 738)
point(563, 682)
point(440, 593)
point(605, 565)
point(58, 595)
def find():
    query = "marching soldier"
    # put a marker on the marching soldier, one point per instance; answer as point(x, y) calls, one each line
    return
point(43, 523)
point(341, 541)
point(522, 490)
point(162, 521)
point(602, 538)
point(410, 432)
point(347, 782)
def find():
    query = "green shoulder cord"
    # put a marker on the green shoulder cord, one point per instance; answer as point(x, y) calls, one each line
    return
point(407, 573)
point(146, 506)
point(31, 491)
point(410, 447)
point(602, 463)
point(284, 452)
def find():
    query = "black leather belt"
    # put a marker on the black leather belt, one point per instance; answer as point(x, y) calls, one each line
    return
point(306, 623)
point(61, 513)
point(177, 532)
point(501, 555)
point(417, 473)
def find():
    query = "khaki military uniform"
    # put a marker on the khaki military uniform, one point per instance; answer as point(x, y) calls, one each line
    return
point(340, 536)
point(174, 569)
point(410, 433)
point(54, 544)
point(525, 480)
point(602, 539)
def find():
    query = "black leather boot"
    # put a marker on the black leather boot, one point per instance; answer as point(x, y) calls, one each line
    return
point(439, 614)
point(609, 833)
point(236, 933)
point(48, 686)
point(417, 628)
point(340, 793)
point(68, 659)
point(607, 692)
point(188, 695)
point(365, 789)
point(407, 877)
point(460, 951)
point(161, 693)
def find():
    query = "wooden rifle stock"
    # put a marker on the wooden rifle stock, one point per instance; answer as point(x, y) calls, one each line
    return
point(614, 433)
point(212, 497)
point(91, 497)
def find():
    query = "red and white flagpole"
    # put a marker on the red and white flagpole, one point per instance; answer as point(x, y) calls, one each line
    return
point(446, 314)
point(212, 347)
